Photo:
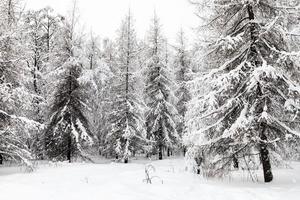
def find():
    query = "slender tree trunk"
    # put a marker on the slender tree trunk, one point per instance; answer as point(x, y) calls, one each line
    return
point(160, 152)
point(127, 76)
point(1, 159)
point(48, 37)
point(35, 80)
point(91, 62)
point(184, 151)
point(169, 152)
point(9, 12)
point(69, 151)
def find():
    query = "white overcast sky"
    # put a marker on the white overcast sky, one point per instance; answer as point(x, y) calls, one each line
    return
point(104, 16)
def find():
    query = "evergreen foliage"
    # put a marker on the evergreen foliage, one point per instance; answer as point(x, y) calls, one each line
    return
point(161, 116)
point(251, 110)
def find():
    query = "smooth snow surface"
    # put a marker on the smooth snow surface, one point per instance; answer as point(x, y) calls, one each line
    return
point(116, 181)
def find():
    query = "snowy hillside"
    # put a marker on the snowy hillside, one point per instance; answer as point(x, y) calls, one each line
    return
point(113, 181)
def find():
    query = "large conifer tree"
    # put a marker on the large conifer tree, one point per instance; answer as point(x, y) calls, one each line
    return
point(127, 134)
point(161, 116)
point(182, 69)
point(250, 113)
point(68, 132)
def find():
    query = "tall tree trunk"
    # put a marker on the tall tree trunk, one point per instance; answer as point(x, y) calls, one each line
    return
point(69, 151)
point(263, 148)
point(48, 37)
point(264, 153)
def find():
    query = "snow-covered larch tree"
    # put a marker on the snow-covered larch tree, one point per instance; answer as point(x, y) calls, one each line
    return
point(67, 134)
point(252, 107)
point(183, 75)
point(93, 51)
point(127, 133)
point(161, 116)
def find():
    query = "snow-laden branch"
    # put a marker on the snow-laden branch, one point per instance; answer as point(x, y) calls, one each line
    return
point(25, 120)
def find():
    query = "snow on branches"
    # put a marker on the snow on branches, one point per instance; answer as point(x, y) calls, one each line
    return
point(252, 83)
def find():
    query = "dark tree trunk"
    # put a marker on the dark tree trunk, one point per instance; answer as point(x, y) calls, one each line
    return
point(35, 81)
point(264, 156)
point(264, 153)
point(69, 152)
point(125, 160)
point(184, 151)
point(160, 152)
point(1, 160)
point(198, 160)
point(235, 162)
point(169, 152)
point(263, 147)
point(91, 62)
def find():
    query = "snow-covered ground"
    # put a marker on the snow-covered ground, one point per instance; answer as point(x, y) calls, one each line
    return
point(116, 181)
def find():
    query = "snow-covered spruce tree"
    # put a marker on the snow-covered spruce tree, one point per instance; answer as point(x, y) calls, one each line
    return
point(127, 133)
point(68, 133)
point(252, 109)
point(161, 115)
point(183, 75)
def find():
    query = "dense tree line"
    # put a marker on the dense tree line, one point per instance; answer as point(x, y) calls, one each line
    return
point(66, 95)
point(230, 102)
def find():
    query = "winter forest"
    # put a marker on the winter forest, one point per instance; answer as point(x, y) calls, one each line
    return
point(132, 118)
